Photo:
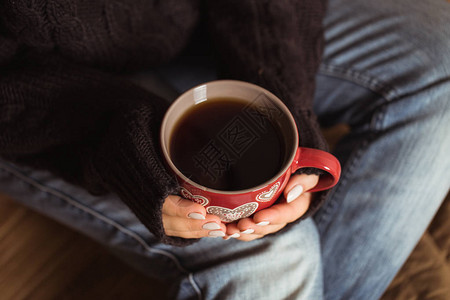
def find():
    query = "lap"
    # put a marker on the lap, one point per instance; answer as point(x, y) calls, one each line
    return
point(208, 268)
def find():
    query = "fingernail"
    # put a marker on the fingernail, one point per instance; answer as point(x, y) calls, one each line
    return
point(211, 226)
point(248, 231)
point(263, 223)
point(216, 233)
point(196, 216)
point(294, 193)
point(235, 235)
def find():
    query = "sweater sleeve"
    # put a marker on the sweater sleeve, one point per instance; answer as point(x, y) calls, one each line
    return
point(277, 45)
point(90, 128)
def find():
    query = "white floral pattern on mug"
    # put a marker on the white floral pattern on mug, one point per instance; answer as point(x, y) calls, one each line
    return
point(229, 215)
point(196, 198)
point(268, 195)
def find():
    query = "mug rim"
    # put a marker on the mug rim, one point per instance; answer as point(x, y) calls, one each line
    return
point(273, 179)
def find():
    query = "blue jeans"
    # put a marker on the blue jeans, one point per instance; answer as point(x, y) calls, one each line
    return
point(386, 73)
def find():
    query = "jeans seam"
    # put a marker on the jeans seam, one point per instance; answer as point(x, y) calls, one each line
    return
point(377, 123)
point(195, 286)
point(363, 79)
point(330, 207)
point(62, 196)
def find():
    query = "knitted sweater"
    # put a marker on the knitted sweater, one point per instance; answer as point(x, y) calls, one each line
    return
point(65, 106)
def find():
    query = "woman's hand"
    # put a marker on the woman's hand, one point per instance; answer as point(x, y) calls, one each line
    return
point(186, 219)
point(295, 203)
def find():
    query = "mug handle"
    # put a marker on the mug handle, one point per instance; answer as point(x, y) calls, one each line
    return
point(314, 158)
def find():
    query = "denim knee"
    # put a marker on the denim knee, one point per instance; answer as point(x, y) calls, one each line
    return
point(393, 48)
point(430, 33)
point(421, 77)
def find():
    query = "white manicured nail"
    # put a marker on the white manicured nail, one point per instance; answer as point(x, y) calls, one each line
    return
point(263, 223)
point(248, 231)
point(211, 226)
point(216, 233)
point(196, 216)
point(233, 236)
point(294, 193)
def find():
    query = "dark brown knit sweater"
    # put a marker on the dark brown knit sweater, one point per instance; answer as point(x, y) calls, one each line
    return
point(64, 106)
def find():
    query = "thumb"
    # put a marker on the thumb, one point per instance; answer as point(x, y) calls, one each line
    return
point(299, 184)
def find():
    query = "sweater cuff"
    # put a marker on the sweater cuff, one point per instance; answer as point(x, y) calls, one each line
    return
point(309, 132)
point(310, 136)
point(128, 162)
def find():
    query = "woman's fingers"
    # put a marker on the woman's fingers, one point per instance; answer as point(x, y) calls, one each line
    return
point(177, 206)
point(185, 225)
point(249, 231)
point(271, 219)
point(186, 219)
point(299, 184)
point(277, 216)
point(232, 231)
point(284, 212)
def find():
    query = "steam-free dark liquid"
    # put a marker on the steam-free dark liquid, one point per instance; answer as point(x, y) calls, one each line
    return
point(227, 144)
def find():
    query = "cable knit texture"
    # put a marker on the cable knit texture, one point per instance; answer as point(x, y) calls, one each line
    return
point(109, 34)
point(64, 106)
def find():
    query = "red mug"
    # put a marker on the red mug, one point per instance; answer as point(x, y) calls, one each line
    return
point(234, 205)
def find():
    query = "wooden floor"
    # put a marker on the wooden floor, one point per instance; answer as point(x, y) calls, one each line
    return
point(40, 259)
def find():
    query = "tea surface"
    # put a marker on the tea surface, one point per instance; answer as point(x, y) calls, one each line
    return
point(219, 144)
